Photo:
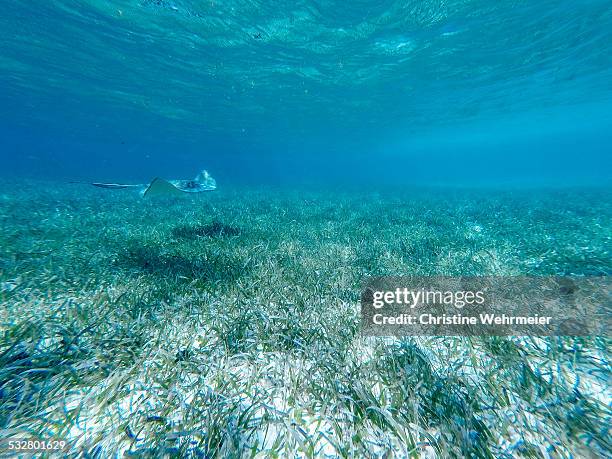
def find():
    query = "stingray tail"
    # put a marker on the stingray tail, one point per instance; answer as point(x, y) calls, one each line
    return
point(115, 186)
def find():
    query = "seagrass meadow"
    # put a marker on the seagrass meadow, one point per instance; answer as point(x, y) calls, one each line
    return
point(227, 324)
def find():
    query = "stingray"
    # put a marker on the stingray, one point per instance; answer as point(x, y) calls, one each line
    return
point(159, 186)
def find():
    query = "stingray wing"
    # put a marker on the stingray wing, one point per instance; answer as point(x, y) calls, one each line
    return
point(160, 186)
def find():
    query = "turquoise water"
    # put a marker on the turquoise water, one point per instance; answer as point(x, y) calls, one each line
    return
point(330, 92)
point(347, 139)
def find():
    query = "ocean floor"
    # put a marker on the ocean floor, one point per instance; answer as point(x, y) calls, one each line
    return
point(227, 324)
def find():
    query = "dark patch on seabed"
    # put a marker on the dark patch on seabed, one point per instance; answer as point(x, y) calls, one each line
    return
point(212, 230)
point(202, 267)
